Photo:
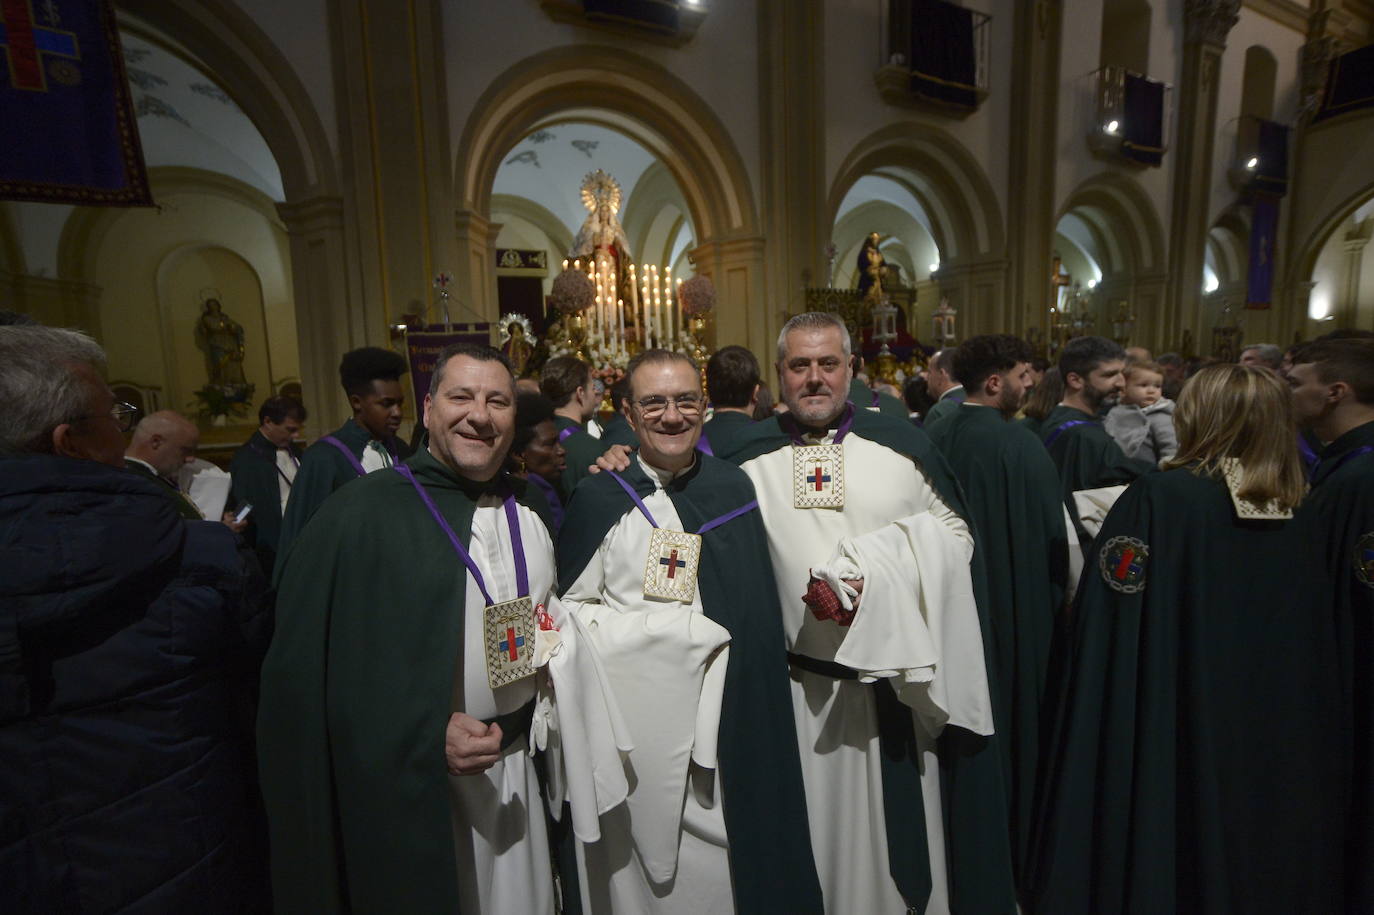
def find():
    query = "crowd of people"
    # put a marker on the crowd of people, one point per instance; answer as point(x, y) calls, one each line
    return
point(1089, 637)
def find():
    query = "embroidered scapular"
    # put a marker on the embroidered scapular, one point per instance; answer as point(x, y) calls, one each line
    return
point(670, 570)
point(509, 635)
point(1364, 560)
point(818, 476)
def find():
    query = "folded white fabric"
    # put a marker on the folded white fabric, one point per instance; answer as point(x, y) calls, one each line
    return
point(1092, 505)
point(917, 623)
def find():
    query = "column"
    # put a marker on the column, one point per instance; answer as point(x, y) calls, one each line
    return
point(1034, 140)
point(975, 289)
point(742, 315)
point(791, 56)
point(1206, 24)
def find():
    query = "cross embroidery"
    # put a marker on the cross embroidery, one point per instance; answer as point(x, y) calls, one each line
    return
point(25, 44)
point(819, 477)
point(672, 562)
point(512, 643)
point(1125, 566)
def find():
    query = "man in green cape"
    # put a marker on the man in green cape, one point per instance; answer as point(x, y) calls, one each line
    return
point(567, 381)
point(398, 693)
point(944, 386)
point(371, 378)
point(263, 470)
point(868, 696)
point(1085, 455)
point(1333, 397)
point(732, 385)
point(707, 634)
point(1012, 493)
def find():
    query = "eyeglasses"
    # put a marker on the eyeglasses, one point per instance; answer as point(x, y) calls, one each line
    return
point(656, 404)
point(124, 415)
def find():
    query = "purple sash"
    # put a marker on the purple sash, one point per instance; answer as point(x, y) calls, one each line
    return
point(522, 579)
point(352, 458)
point(564, 433)
point(1340, 462)
point(704, 445)
point(1050, 439)
point(709, 525)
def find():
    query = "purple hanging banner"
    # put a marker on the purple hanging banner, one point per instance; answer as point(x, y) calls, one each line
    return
point(423, 349)
point(70, 134)
point(1264, 227)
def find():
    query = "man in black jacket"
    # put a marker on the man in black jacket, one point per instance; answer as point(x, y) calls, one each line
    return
point(263, 470)
point(127, 639)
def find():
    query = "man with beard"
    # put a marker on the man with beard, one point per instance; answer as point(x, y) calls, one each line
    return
point(416, 627)
point(371, 379)
point(1086, 456)
point(666, 563)
point(1013, 499)
point(1333, 397)
point(905, 797)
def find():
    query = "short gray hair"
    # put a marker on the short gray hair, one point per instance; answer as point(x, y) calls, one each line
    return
point(813, 320)
point(38, 388)
point(1268, 353)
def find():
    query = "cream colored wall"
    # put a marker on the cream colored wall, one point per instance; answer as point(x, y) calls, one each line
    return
point(151, 266)
point(719, 63)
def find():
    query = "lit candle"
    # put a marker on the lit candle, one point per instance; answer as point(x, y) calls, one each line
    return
point(565, 263)
point(620, 319)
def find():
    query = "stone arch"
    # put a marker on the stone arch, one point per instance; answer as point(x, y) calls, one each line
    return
point(654, 192)
point(537, 216)
point(966, 220)
point(1121, 211)
point(1340, 301)
point(229, 44)
point(624, 92)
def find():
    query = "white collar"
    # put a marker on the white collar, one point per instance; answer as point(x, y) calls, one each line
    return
point(660, 476)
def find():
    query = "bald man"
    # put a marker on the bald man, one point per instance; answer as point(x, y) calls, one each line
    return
point(163, 442)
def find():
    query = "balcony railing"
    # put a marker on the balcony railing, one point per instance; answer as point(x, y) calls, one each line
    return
point(1133, 116)
point(935, 54)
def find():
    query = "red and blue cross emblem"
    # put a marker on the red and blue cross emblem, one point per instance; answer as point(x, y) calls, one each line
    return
point(1364, 560)
point(512, 643)
point(672, 562)
point(25, 42)
point(818, 478)
point(1122, 563)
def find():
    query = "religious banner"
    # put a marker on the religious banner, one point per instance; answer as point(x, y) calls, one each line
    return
point(1142, 120)
point(1349, 84)
point(1264, 227)
point(944, 63)
point(70, 131)
point(423, 348)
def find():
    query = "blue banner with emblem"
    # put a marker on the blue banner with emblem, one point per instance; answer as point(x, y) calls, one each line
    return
point(69, 134)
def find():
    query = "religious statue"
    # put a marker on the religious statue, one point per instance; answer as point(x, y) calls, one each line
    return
point(601, 235)
point(221, 337)
point(517, 343)
point(870, 268)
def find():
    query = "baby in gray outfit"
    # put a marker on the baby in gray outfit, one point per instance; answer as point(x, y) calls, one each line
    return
point(1143, 422)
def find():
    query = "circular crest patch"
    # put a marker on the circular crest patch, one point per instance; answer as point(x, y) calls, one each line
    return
point(1364, 560)
point(1122, 562)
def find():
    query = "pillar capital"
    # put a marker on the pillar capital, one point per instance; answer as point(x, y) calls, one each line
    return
point(1209, 21)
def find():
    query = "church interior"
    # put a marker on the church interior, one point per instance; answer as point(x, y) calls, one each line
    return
point(1187, 176)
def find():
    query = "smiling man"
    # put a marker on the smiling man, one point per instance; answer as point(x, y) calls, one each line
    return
point(400, 687)
point(371, 378)
point(890, 696)
point(666, 563)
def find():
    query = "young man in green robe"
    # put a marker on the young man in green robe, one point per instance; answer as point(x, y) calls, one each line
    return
point(263, 470)
point(706, 633)
point(944, 386)
point(567, 381)
point(1333, 397)
point(1013, 501)
point(732, 384)
point(1073, 433)
point(371, 379)
point(399, 691)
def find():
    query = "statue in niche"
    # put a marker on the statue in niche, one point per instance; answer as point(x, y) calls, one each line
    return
point(870, 269)
point(221, 338)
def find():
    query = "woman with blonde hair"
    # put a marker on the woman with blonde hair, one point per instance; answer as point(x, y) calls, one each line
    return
point(1196, 757)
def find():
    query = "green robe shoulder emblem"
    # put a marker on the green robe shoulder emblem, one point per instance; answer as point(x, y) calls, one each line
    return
point(1122, 562)
point(1364, 559)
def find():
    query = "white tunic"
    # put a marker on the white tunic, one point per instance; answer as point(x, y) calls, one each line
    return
point(665, 849)
point(500, 833)
point(904, 538)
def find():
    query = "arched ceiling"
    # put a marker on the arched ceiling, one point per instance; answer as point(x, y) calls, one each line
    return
point(548, 165)
point(884, 189)
point(186, 118)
